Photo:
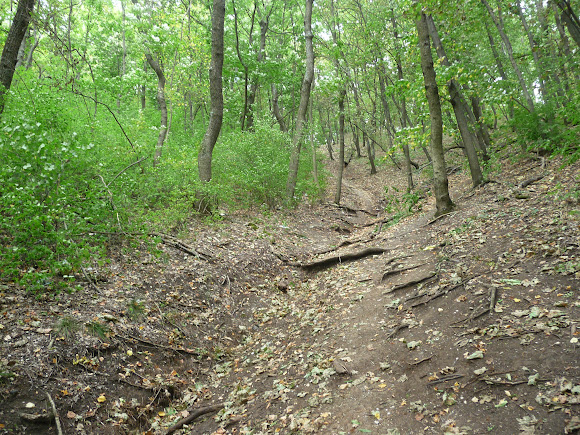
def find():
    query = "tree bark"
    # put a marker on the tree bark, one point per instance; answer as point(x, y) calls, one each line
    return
point(14, 39)
point(404, 115)
point(204, 157)
point(303, 106)
point(440, 183)
point(570, 19)
point(498, 21)
point(254, 87)
point(276, 109)
point(154, 63)
point(340, 162)
point(459, 108)
point(535, 52)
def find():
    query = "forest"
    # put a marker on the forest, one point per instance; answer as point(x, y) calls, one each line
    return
point(158, 132)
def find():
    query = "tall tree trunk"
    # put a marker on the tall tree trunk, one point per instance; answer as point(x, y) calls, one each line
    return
point(499, 64)
point(459, 108)
point(498, 21)
point(276, 109)
point(535, 52)
point(204, 157)
point(404, 115)
point(123, 59)
point(303, 106)
point(440, 183)
point(10, 51)
point(254, 86)
point(154, 63)
point(340, 161)
point(240, 58)
point(29, 56)
point(570, 19)
point(144, 89)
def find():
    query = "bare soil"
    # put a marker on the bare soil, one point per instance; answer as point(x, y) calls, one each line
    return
point(463, 324)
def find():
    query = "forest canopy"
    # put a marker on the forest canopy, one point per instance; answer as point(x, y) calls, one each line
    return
point(105, 106)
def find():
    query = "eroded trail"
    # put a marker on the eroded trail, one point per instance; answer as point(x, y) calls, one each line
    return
point(328, 320)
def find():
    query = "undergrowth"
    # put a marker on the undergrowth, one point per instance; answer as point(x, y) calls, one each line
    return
point(70, 184)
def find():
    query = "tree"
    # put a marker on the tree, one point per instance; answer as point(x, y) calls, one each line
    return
point(440, 183)
point(303, 106)
point(204, 157)
point(12, 45)
point(460, 109)
point(155, 66)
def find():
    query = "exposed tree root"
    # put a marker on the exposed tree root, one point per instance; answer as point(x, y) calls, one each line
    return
point(441, 293)
point(335, 259)
point(396, 330)
point(195, 413)
point(410, 283)
point(532, 180)
point(395, 271)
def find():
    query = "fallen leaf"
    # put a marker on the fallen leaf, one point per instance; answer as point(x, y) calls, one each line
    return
point(101, 398)
point(70, 414)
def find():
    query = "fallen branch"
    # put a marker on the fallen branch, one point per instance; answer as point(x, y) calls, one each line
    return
point(160, 346)
point(195, 413)
point(397, 329)
point(410, 283)
point(55, 412)
point(445, 379)
point(335, 259)
point(416, 363)
point(532, 180)
point(180, 245)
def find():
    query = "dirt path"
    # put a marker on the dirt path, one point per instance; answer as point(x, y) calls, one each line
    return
point(466, 324)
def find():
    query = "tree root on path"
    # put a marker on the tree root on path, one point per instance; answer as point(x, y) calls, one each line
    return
point(395, 271)
point(195, 413)
point(335, 259)
point(410, 283)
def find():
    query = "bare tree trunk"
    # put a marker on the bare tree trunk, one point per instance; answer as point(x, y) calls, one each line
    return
point(571, 19)
point(303, 106)
point(29, 56)
point(144, 89)
point(340, 161)
point(254, 87)
point(460, 109)
point(11, 46)
point(404, 115)
point(276, 109)
point(154, 63)
point(535, 52)
point(498, 21)
point(204, 157)
point(124, 58)
point(440, 183)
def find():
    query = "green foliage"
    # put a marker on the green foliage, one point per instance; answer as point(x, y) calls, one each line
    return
point(252, 167)
point(98, 329)
point(135, 309)
point(402, 205)
point(550, 130)
point(67, 326)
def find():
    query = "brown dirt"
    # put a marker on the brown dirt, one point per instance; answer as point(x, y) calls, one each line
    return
point(348, 348)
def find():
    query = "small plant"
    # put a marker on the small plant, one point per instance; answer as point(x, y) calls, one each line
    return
point(98, 329)
point(135, 309)
point(67, 326)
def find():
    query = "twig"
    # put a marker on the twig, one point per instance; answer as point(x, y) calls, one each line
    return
point(194, 414)
point(91, 282)
point(124, 169)
point(55, 412)
point(432, 221)
point(445, 379)
point(397, 329)
point(416, 363)
point(492, 299)
point(160, 346)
